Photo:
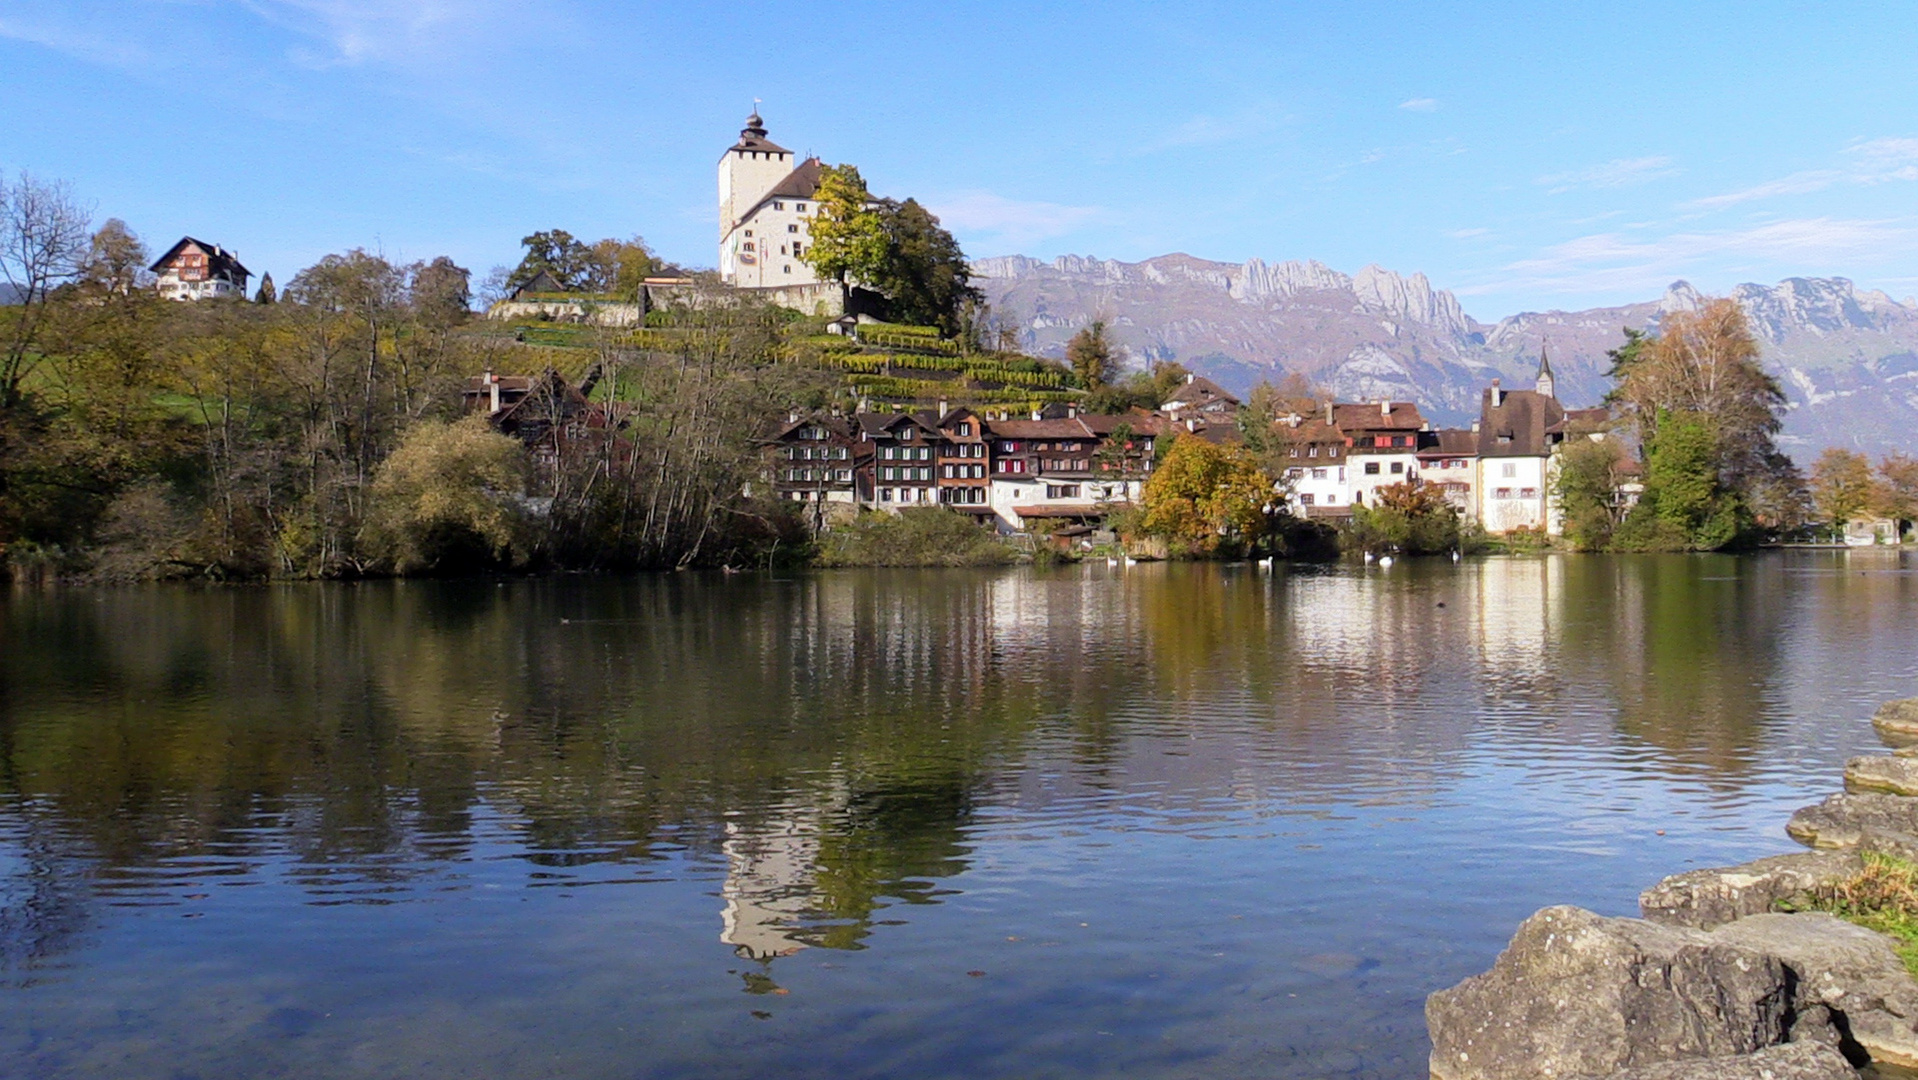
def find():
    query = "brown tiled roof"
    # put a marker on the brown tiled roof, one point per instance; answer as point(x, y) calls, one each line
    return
point(1040, 429)
point(1518, 426)
point(1310, 430)
point(1200, 390)
point(220, 262)
point(1353, 417)
point(801, 183)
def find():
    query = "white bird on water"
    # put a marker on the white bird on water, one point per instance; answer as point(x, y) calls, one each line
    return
point(1385, 561)
point(1112, 560)
point(1454, 554)
point(1130, 561)
point(1368, 556)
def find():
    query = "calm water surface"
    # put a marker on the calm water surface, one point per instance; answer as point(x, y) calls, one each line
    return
point(1167, 821)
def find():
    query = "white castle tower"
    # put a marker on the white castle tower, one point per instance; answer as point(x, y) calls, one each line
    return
point(765, 203)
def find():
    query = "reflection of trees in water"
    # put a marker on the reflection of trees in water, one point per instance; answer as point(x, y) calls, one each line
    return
point(825, 739)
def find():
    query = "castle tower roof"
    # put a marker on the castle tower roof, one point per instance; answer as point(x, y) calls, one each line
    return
point(753, 137)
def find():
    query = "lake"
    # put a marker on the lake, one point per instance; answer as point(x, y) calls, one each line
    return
point(1153, 821)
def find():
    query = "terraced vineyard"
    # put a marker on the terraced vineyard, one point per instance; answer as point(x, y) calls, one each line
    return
point(887, 364)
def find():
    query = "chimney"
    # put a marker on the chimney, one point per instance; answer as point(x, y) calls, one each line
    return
point(1498, 394)
point(1385, 409)
point(1328, 413)
point(1035, 414)
point(1192, 424)
point(792, 416)
point(1475, 426)
point(492, 385)
point(1189, 376)
point(942, 410)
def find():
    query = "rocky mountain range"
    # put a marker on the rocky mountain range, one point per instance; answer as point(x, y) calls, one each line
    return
point(1848, 358)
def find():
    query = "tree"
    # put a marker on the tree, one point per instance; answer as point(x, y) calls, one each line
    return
point(1841, 486)
point(556, 253)
point(1898, 487)
point(848, 235)
point(116, 261)
point(267, 294)
point(447, 498)
point(1412, 516)
point(440, 292)
point(1203, 495)
point(1586, 488)
point(1090, 354)
point(43, 244)
point(924, 273)
point(1703, 363)
point(618, 268)
point(1686, 506)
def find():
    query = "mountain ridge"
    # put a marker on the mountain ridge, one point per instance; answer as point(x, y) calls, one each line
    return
point(1847, 358)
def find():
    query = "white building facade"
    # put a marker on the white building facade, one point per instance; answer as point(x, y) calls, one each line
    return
point(766, 206)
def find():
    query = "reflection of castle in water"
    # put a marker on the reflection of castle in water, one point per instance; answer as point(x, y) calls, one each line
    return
point(770, 885)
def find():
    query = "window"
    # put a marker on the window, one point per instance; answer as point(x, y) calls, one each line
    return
point(946, 471)
point(1502, 493)
point(1062, 491)
point(798, 248)
point(964, 427)
point(1332, 451)
point(792, 228)
point(749, 235)
point(1318, 474)
point(844, 476)
point(1306, 500)
point(1331, 500)
point(1402, 440)
point(1382, 440)
point(779, 206)
point(1398, 467)
point(1528, 493)
point(885, 494)
point(1295, 452)
point(1508, 470)
point(801, 207)
point(748, 245)
point(787, 269)
point(1371, 468)
point(1313, 452)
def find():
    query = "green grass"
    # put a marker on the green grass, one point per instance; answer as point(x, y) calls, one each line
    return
point(1882, 897)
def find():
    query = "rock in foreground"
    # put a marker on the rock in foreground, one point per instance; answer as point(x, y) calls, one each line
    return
point(1703, 899)
point(1792, 1061)
point(1847, 984)
point(1845, 821)
point(1897, 721)
point(1579, 995)
point(1882, 775)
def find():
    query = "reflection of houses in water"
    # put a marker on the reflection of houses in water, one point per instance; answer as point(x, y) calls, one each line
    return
point(1518, 603)
point(770, 883)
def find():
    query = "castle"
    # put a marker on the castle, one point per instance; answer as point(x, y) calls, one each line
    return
point(765, 205)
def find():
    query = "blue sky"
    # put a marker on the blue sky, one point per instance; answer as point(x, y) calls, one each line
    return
point(1525, 155)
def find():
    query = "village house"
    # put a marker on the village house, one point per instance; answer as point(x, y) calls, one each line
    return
point(1448, 460)
point(194, 270)
point(545, 412)
point(1200, 396)
point(1385, 438)
point(1518, 432)
point(963, 478)
point(819, 460)
point(1318, 456)
point(902, 470)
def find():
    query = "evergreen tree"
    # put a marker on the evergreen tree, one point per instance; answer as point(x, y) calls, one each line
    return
point(267, 294)
point(1090, 354)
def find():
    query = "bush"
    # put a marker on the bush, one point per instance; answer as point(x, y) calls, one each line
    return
point(920, 536)
point(1412, 518)
point(448, 500)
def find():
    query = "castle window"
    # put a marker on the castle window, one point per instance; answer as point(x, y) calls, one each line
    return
point(749, 233)
point(785, 269)
point(792, 228)
point(801, 207)
point(779, 206)
point(797, 247)
point(748, 245)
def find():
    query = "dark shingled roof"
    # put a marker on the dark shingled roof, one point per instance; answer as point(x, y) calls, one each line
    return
point(1451, 442)
point(1200, 390)
point(753, 137)
point(220, 262)
point(1521, 424)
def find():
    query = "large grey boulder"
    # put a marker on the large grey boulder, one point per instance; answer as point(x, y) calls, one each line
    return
point(1897, 721)
point(1703, 899)
point(1791, 1061)
point(1882, 775)
point(1848, 986)
point(1577, 995)
point(1844, 821)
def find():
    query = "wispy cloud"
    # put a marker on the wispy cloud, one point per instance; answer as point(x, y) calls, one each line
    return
point(1419, 104)
point(1865, 162)
point(1617, 173)
point(65, 36)
point(1615, 262)
point(1011, 222)
point(348, 32)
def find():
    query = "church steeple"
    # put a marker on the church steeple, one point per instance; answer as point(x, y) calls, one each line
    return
point(1546, 385)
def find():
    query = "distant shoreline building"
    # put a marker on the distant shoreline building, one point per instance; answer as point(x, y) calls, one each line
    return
point(195, 270)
